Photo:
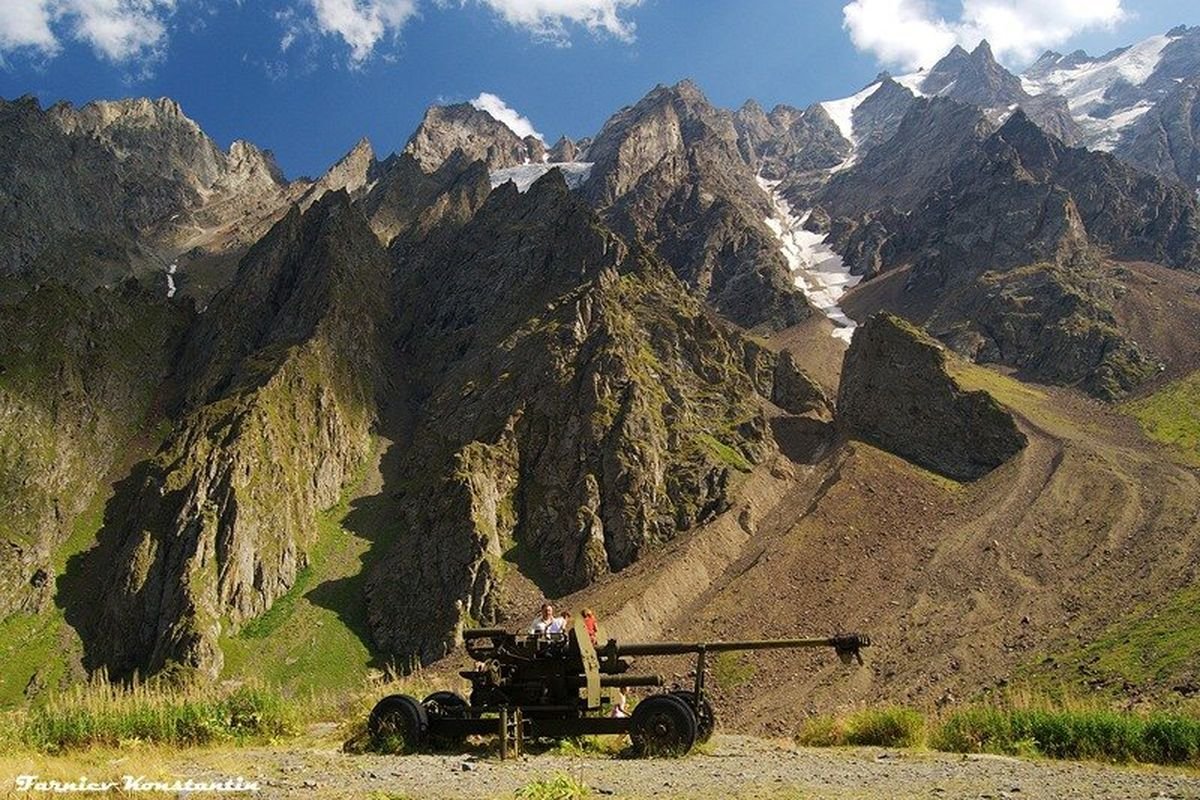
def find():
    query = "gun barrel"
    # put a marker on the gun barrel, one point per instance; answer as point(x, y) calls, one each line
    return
point(851, 642)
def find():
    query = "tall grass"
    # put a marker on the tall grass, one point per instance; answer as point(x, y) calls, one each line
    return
point(884, 727)
point(1021, 726)
point(1091, 734)
point(101, 714)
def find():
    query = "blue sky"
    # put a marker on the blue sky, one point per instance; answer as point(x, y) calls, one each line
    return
point(356, 68)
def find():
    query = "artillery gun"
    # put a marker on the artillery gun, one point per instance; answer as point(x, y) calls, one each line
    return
point(560, 685)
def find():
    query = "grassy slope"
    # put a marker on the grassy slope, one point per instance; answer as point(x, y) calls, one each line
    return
point(1152, 644)
point(45, 643)
point(1171, 416)
point(315, 636)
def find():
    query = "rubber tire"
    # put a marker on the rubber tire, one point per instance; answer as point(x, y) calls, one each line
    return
point(706, 721)
point(662, 725)
point(401, 715)
point(442, 705)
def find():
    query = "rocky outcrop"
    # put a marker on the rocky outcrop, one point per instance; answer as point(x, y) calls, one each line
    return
point(281, 378)
point(79, 376)
point(789, 140)
point(578, 407)
point(1023, 198)
point(474, 132)
point(896, 393)
point(669, 171)
point(1054, 323)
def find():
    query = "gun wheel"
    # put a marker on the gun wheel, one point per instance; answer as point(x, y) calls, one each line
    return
point(662, 726)
point(706, 719)
point(399, 723)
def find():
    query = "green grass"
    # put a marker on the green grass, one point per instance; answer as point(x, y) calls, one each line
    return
point(1024, 727)
point(106, 715)
point(1171, 416)
point(558, 787)
point(1148, 648)
point(883, 727)
point(315, 636)
point(1083, 734)
point(724, 452)
point(731, 670)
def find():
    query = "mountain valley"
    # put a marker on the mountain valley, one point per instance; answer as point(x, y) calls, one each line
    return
point(919, 361)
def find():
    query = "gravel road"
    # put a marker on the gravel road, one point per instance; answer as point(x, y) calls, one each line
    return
point(732, 767)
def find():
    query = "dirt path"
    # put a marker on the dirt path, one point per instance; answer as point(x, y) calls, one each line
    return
point(733, 767)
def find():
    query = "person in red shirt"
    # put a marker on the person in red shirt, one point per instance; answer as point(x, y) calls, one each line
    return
point(589, 621)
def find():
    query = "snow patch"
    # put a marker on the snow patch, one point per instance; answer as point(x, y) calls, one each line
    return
point(816, 269)
point(576, 173)
point(842, 111)
point(1084, 86)
point(171, 279)
point(913, 82)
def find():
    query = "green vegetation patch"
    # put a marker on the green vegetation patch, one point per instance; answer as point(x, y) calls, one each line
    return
point(1093, 734)
point(315, 637)
point(731, 670)
point(1150, 648)
point(882, 727)
point(106, 715)
point(1171, 416)
point(557, 787)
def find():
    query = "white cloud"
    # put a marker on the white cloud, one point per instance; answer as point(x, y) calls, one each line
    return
point(26, 25)
point(361, 23)
point(118, 30)
point(501, 111)
point(548, 19)
point(911, 34)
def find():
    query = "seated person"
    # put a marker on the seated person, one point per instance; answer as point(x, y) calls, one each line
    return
point(542, 625)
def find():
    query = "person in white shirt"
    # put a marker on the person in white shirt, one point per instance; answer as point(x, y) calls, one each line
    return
point(541, 626)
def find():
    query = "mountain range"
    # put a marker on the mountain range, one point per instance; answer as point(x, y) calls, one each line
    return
point(623, 370)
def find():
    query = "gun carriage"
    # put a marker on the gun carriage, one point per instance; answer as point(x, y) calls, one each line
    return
point(560, 685)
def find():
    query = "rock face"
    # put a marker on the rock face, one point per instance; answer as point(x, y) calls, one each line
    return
point(933, 135)
point(1109, 95)
point(406, 199)
point(281, 376)
point(895, 393)
point(1166, 139)
point(669, 171)
point(577, 408)
point(79, 374)
point(479, 135)
point(118, 178)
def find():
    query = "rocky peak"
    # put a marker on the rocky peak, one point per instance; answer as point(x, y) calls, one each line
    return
point(573, 397)
point(354, 172)
point(974, 77)
point(669, 171)
point(877, 118)
point(479, 135)
point(933, 134)
point(564, 150)
point(283, 371)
